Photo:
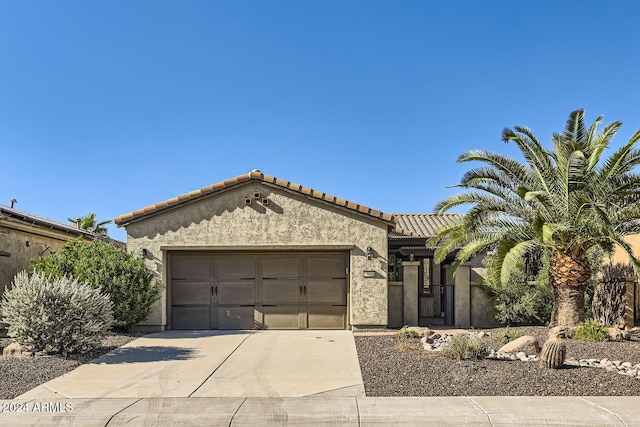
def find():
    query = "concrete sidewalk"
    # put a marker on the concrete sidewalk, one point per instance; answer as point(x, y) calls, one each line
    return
point(326, 411)
point(217, 364)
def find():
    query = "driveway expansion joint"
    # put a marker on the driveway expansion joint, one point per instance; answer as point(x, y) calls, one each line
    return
point(482, 409)
point(222, 363)
point(122, 410)
point(604, 409)
point(237, 410)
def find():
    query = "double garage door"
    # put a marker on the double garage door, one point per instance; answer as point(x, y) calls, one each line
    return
point(264, 291)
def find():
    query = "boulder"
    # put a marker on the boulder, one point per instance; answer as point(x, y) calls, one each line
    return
point(616, 334)
point(14, 350)
point(527, 344)
point(417, 331)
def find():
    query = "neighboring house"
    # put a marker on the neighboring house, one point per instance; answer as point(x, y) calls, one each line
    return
point(623, 269)
point(256, 251)
point(620, 257)
point(25, 236)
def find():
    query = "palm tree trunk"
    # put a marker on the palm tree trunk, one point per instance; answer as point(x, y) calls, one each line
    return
point(569, 276)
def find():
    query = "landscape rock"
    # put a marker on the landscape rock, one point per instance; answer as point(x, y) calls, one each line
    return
point(528, 344)
point(16, 350)
point(417, 331)
point(434, 336)
point(615, 334)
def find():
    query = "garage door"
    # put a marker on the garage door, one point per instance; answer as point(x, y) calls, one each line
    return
point(264, 291)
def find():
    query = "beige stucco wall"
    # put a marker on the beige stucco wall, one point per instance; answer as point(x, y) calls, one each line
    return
point(482, 308)
point(24, 243)
point(291, 219)
point(620, 256)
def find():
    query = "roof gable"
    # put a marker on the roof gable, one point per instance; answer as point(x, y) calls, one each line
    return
point(253, 176)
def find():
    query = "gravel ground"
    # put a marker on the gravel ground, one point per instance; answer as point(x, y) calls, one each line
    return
point(21, 374)
point(395, 366)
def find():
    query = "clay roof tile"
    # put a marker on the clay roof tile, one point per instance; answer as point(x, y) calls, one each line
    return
point(253, 175)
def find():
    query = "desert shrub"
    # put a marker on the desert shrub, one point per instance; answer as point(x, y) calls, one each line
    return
point(57, 315)
point(520, 301)
point(508, 335)
point(112, 270)
point(591, 330)
point(465, 346)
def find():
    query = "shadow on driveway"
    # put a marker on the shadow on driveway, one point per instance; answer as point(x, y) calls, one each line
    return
point(124, 355)
point(196, 333)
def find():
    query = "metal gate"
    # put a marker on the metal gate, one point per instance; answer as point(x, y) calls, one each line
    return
point(436, 307)
point(636, 303)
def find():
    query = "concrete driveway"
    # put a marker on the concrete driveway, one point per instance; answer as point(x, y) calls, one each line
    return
point(217, 364)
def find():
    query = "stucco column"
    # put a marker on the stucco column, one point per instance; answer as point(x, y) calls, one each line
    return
point(629, 314)
point(462, 301)
point(410, 280)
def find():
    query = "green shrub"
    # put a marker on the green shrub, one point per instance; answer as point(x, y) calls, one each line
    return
point(591, 331)
point(56, 315)
point(465, 346)
point(113, 270)
point(508, 336)
point(519, 301)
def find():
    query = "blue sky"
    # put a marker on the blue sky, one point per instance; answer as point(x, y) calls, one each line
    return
point(109, 106)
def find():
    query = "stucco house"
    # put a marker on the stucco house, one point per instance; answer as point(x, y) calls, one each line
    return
point(622, 268)
point(25, 236)
point(256, 251)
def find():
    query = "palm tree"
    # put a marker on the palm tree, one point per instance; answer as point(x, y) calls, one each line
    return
point(90, 223)
point(568, 199)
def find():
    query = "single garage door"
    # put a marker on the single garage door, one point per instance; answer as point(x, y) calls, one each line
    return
point(264, 291)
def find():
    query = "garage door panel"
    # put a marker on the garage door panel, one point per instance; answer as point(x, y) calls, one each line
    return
point(281, 267)
point(326, 316)
point(280, 291)
point(270, 291)
point(192, 267)
point(327, 291)
point(330, 266)
point(281, 317)
point(236, 292)
point(190, 292)
point(191, 317)
point(228, 267)
point(236, 318)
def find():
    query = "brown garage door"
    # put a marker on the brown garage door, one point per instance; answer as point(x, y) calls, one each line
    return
point(265, 291)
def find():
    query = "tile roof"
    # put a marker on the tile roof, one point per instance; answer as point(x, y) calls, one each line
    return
point(420, 225)
point(255, 176)
point(7, 212)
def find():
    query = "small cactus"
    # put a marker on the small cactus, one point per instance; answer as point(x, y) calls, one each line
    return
point(554, 352)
